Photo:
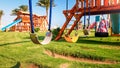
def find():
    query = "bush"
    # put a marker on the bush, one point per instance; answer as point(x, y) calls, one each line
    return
point(1, 30)
point(55, 32)
point(37, 29)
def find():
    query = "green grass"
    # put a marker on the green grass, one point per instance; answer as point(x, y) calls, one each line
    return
point(17, 49)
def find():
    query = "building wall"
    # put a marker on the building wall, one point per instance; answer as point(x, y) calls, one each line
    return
point(24, 26)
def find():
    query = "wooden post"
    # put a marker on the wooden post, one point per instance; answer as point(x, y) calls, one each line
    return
point(81, 3)
point(106, 3)
point(77, 5)
point(95, 3)
point(92, 3)
point(98, 3)
point(77, 2)
point(115, 2)
point(86, 3)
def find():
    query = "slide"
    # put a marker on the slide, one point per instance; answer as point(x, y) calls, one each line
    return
point(11, 24)
point(115, 18)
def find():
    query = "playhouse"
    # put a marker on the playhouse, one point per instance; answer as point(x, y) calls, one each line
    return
point(24, 26)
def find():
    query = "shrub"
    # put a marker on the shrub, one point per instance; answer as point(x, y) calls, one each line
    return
point(55, 32)
point(37, 29)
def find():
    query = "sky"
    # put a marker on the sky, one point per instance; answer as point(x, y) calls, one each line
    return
point(58, 17)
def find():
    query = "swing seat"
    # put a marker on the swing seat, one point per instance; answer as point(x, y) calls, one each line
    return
point(46, 40)
point(71, 39)
point(86, 32)
point(101, 34)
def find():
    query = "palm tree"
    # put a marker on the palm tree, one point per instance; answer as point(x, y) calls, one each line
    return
point(45, 4)
point(21, 8)
point(14, 11)
point(1, 14)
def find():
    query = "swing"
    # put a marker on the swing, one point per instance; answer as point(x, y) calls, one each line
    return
point(85, 30)
point(102, 29)
point(68, 38)
point(33, 36)
point(72, 39)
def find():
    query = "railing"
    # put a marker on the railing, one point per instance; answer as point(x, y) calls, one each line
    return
point(97, 3)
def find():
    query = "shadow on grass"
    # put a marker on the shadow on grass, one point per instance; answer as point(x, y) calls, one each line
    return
point(101, 42)
point(93, 40)
point(41, 37)
point(13, 43)
point(17, 65)
point(60, 40)
point(30, 65)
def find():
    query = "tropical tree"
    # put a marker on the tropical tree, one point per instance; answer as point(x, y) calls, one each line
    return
point(21, 8)
point(1, 14)
point(14, 11)
point(45, 4)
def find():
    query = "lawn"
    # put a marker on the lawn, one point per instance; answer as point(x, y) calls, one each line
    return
point(17, 50)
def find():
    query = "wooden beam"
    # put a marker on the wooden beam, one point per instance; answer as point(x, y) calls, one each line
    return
point(75, 23)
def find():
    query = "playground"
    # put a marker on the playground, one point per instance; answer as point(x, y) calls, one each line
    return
point(94, 52)
point(83, 44)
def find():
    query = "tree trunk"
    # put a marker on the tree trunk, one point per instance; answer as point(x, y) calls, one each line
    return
point(47, 13)
point(0, 21)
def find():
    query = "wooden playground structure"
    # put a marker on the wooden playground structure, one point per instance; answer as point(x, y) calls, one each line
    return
point(39, 22)
point(96, 7)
